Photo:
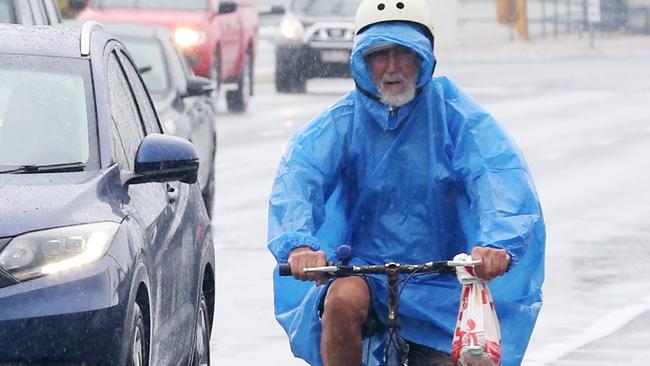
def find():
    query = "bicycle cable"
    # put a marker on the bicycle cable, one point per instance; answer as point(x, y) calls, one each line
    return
point(392, 334)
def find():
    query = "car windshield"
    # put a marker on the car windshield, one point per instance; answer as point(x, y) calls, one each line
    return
point(153, 4)
point(149, 57)
point(46, 111)
point(7, 14)
point(326, 8)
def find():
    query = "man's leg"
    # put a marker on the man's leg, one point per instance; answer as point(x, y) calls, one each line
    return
point(345, 311)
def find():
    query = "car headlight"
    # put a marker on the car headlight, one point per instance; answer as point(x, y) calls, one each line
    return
point(51, 251)
point(291, 28)
point(188, 37)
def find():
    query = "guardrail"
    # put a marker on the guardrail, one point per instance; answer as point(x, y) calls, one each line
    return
point(639, 21)
point(553, 18)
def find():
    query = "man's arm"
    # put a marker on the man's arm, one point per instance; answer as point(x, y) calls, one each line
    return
point(303, 257)
point(307, 176)
point(503, 213)
point(494, 262)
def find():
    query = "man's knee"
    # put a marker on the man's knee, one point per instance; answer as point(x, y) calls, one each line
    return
point(348, 298)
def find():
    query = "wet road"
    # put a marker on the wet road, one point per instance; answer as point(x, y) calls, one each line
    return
point(583, 122)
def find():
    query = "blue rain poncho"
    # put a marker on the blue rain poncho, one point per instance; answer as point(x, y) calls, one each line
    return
point(427, 181)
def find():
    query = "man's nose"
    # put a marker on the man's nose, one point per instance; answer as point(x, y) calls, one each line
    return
point(391, 62)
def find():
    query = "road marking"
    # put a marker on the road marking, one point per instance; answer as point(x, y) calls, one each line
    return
point(607, 141)
point(554, 156)
point(605, 326)
point(272, 133)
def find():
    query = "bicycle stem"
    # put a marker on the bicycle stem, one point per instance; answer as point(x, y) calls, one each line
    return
point(393, 305)
point(392, 324)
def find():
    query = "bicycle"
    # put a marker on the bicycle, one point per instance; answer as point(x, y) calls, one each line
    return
point(397, 349)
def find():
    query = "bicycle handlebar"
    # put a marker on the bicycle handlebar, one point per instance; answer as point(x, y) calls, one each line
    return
point(346, 270)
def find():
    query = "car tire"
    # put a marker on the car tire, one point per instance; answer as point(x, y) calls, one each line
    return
point(201, 353)
point(238, 100)
point(299, 81)
point(289, 77)
point(282, 84)
point(139, 344)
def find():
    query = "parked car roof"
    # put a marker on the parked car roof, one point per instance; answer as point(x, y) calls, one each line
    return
point(57, 40)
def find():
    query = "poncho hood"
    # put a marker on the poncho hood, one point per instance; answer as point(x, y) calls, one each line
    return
point(400, 33)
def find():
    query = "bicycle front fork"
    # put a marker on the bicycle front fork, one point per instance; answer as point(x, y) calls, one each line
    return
point(396, 351)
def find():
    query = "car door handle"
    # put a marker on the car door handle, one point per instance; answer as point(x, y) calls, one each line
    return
point(172, 194)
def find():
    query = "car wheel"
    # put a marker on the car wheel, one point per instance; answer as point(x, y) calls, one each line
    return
point(238, 99)
point(201, 356)
point(281, 77)
point(299, 83)
point(139, 355)
point(298, 80)
point(289, 77)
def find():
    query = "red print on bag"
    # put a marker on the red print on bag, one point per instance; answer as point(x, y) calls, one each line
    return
point(477, 337)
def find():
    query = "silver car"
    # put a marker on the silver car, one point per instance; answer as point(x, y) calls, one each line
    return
point(182, 98)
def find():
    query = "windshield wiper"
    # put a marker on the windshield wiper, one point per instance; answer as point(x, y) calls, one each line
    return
point(52, 168)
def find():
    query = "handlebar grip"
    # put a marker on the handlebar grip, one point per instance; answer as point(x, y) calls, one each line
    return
point(285, 269)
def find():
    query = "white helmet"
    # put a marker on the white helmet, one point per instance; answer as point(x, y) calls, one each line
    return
point(377, 11)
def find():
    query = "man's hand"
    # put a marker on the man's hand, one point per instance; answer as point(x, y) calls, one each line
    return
point(303, 257)
point(494, 262)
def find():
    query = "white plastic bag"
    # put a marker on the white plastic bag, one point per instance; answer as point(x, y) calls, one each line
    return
point(477, 338)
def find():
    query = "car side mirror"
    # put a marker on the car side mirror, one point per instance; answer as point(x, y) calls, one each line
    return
point(76, 5)
point(164, 158)
point(197, 85)
point(143, 70)
point(226, 7)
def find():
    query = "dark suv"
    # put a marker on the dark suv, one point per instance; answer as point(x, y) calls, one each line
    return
point(30, 12)
point(106, 251)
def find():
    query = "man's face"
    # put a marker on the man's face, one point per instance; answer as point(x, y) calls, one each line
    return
point(395, 72)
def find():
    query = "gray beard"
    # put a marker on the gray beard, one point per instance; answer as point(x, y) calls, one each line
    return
point(396, 98)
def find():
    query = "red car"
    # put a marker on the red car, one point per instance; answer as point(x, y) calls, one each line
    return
point(218, 37)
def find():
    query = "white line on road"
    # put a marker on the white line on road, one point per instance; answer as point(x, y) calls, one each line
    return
point(554, 156)
point(272, 133)
point(606, 325)
point(607, 141)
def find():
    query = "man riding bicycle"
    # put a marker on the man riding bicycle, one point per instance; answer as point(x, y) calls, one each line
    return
point(405, 168)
